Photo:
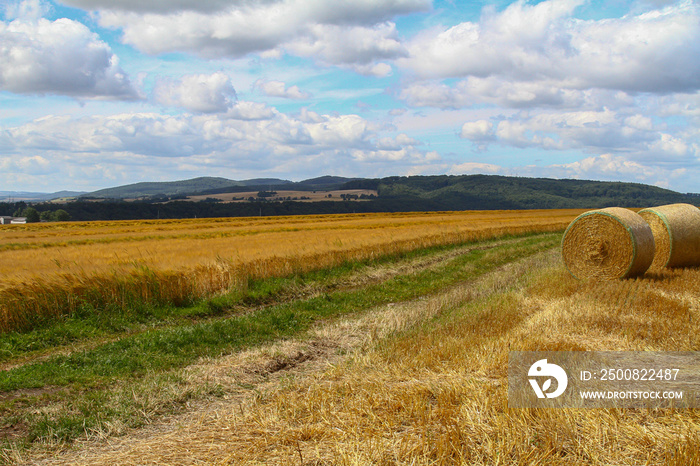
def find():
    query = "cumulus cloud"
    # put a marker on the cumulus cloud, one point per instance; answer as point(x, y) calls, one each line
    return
point(360, 46)
point(155, 6)
point(651, 52)
point(501, 92)
point(630, 145)
point(607, 166)
point(352, 33)
point(472, 168)
point(336, 12)
point(63, 57)
point(27, 9)
point(280, 89)
point(204, 93)
point(604, 167)
point(247, 135)
point(603, 130)
point(477, 130)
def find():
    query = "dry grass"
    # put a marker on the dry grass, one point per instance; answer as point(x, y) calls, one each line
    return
point(435, 393)
point(53, 269)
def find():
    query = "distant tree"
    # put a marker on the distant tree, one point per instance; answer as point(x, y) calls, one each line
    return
point(32, 215)
point(47, 216)
point(61, 216)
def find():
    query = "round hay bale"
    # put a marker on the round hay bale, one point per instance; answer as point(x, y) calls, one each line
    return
point(676, 229)
point(608, 244)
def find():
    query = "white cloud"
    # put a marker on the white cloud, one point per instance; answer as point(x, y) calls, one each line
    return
point(471, 168)
point(652, 52)
point(604, 167)
point(359, 46)
point(501, 92)
point(28, 165)
point(602, 130)
point(157, 6)
point(352, 33)
point(480, 130)
point(518, 40)
point(248, 136)
point(197, 93)
point(378, 70)
point(610, 167)
point(336, 12)
point(59, 57)
point(634, 136)
point(280, 89)
point(27, 9)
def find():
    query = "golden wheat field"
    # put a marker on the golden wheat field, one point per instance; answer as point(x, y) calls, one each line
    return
point(50, 269)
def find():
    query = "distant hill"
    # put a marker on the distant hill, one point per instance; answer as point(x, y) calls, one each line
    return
point(7, 196)
point(328, 182)
point(211, 185)
point(440, 192)
point(462, 192)
point(394, 194)
point(174, 188)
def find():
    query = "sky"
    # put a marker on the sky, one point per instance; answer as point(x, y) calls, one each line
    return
point(101, 93)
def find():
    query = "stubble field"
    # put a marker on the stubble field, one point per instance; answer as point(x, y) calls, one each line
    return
point(394, 360)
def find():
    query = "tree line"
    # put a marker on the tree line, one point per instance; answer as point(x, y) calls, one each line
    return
point(33, 215)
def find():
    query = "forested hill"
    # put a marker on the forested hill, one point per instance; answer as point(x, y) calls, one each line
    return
point(174, 188)
point(504, 192)
point(394, 194)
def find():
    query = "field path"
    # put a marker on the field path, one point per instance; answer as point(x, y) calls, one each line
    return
point(197, 436)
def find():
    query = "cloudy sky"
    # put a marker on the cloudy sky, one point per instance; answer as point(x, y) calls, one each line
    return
point(100, 93)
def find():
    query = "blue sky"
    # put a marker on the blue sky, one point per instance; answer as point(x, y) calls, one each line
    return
point(100, 93)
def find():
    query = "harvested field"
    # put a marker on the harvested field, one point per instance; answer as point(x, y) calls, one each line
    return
point(396, 360)
point(425, 382)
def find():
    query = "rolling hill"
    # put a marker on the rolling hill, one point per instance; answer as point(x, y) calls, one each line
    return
point(468, 192)
point(212, 185)
point(394, 194)
point(174, 188)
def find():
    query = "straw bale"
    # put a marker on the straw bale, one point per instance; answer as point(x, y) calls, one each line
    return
point(676, 229)
point(608, 244)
